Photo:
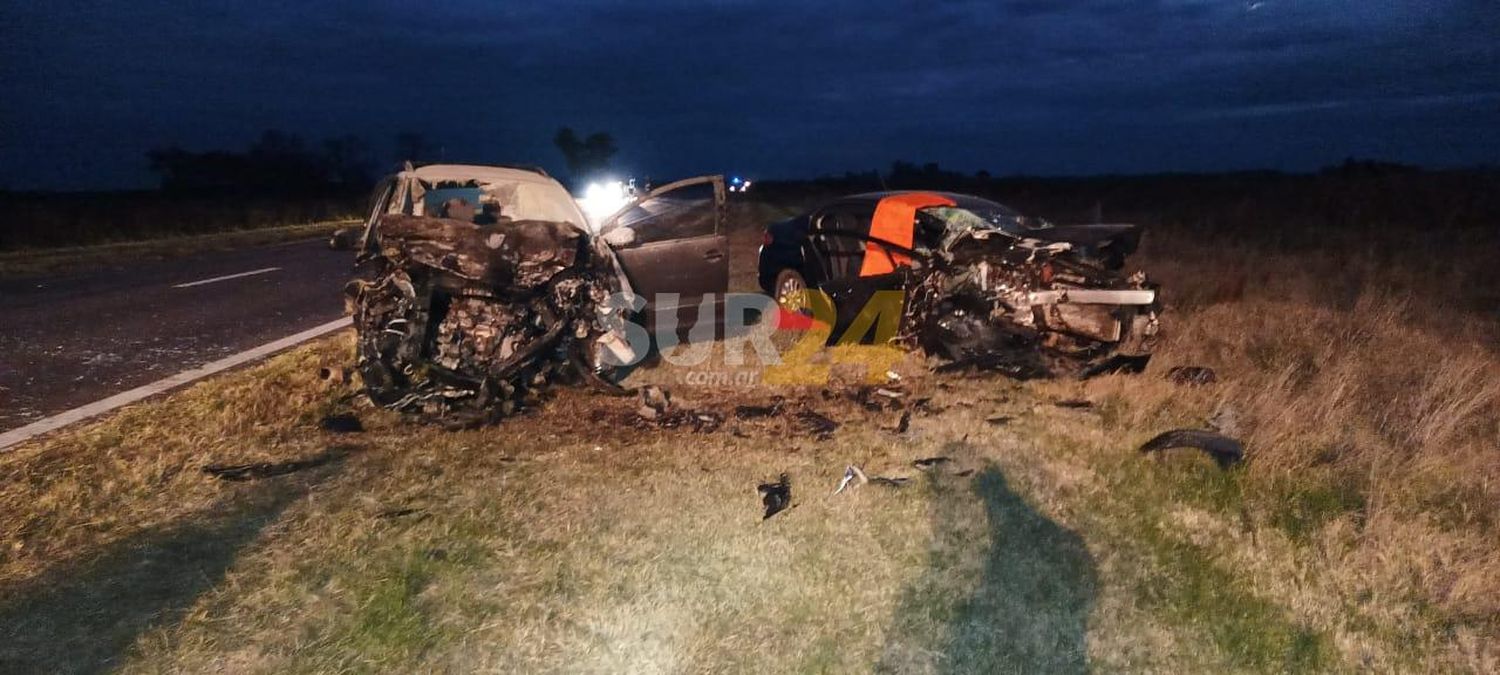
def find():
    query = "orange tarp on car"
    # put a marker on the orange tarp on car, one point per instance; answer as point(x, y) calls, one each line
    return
point(895, 219)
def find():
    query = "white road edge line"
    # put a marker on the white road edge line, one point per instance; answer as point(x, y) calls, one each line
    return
point(227, 277)
point(102, 406)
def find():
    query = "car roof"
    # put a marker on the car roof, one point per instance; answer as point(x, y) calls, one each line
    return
point(486, 174)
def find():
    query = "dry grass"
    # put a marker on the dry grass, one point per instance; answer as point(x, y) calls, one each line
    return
point(539, 545)
point(1369, 395)
point(1359, 536)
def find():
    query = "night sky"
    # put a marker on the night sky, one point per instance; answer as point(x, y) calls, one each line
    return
point(759, 88)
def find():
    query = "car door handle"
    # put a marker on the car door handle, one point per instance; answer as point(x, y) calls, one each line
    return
point(713, 255)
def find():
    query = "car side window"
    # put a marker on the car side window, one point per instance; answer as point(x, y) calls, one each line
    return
point(689, 211)
point(839, 240)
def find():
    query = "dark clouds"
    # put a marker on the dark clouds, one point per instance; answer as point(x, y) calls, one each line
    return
point(761, 87)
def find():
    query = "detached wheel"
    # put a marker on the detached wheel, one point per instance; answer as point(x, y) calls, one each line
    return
point(791, 291)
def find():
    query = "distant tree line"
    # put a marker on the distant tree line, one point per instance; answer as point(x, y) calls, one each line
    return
point(586, 157)
point(285, 164)
point(1358, 194)
point(277, 163)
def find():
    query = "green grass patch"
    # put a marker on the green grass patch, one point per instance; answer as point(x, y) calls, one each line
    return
point(1302, 507)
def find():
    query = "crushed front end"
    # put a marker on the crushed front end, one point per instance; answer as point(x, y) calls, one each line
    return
point(1029, 307)
point(466, 321)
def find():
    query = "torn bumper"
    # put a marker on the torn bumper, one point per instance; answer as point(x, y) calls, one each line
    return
point(1089, 296)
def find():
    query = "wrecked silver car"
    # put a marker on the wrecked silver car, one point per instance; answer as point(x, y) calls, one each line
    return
point(476, 287)
point(976, 283)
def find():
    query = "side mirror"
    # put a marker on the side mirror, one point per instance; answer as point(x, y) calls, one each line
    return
point(620, 237)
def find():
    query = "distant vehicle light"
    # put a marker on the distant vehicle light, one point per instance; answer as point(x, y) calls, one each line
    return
point(602, 199)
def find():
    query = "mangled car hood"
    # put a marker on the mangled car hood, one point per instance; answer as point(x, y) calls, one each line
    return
point(468, 318)
point(525, 253)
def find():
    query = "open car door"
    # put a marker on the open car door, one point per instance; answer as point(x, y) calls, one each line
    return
point(679, 246)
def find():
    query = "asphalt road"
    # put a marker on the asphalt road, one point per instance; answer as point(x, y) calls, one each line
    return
point(71, 340)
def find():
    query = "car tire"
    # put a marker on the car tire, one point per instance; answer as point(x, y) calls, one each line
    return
point(787, 291)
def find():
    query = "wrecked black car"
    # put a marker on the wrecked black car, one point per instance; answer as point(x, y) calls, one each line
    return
point(476, 287)
point(977, 283)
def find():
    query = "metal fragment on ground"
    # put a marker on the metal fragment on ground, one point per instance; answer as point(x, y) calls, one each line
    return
point(1192, 375)
point(855, 477)
point(746, 412)
point(927, 463)
point(706, 422)
point(816, 424)
point(342, 423)
point(1225, 451)
point(852, 474)
point(775, 497)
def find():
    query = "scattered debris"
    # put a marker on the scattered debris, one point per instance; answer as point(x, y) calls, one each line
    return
point(1074, 403)
point(1224, 450)
point(1002, 363)
point(817, 424)
point(393, 514)
point(851, 474)
point(1192, 375)
point(1128, 364)
point(341, 423)
point(925, 405)
point(707, 422)
point(747, 412)
point(868, 398)
point(888, 393)
point(259, 470)
point(855, 476)
point(656, 398)
point(927, 463)
point(999, 420)
point(657, 409)
point(775, 496)
point(941, 465)
point(905, 423)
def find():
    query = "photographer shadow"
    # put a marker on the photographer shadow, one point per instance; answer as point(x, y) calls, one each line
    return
point(1028, 610)
point(84, 615)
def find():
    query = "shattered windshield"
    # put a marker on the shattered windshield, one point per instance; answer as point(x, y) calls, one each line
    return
point(498, 202)
point(996, 217)
point(940, 225)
